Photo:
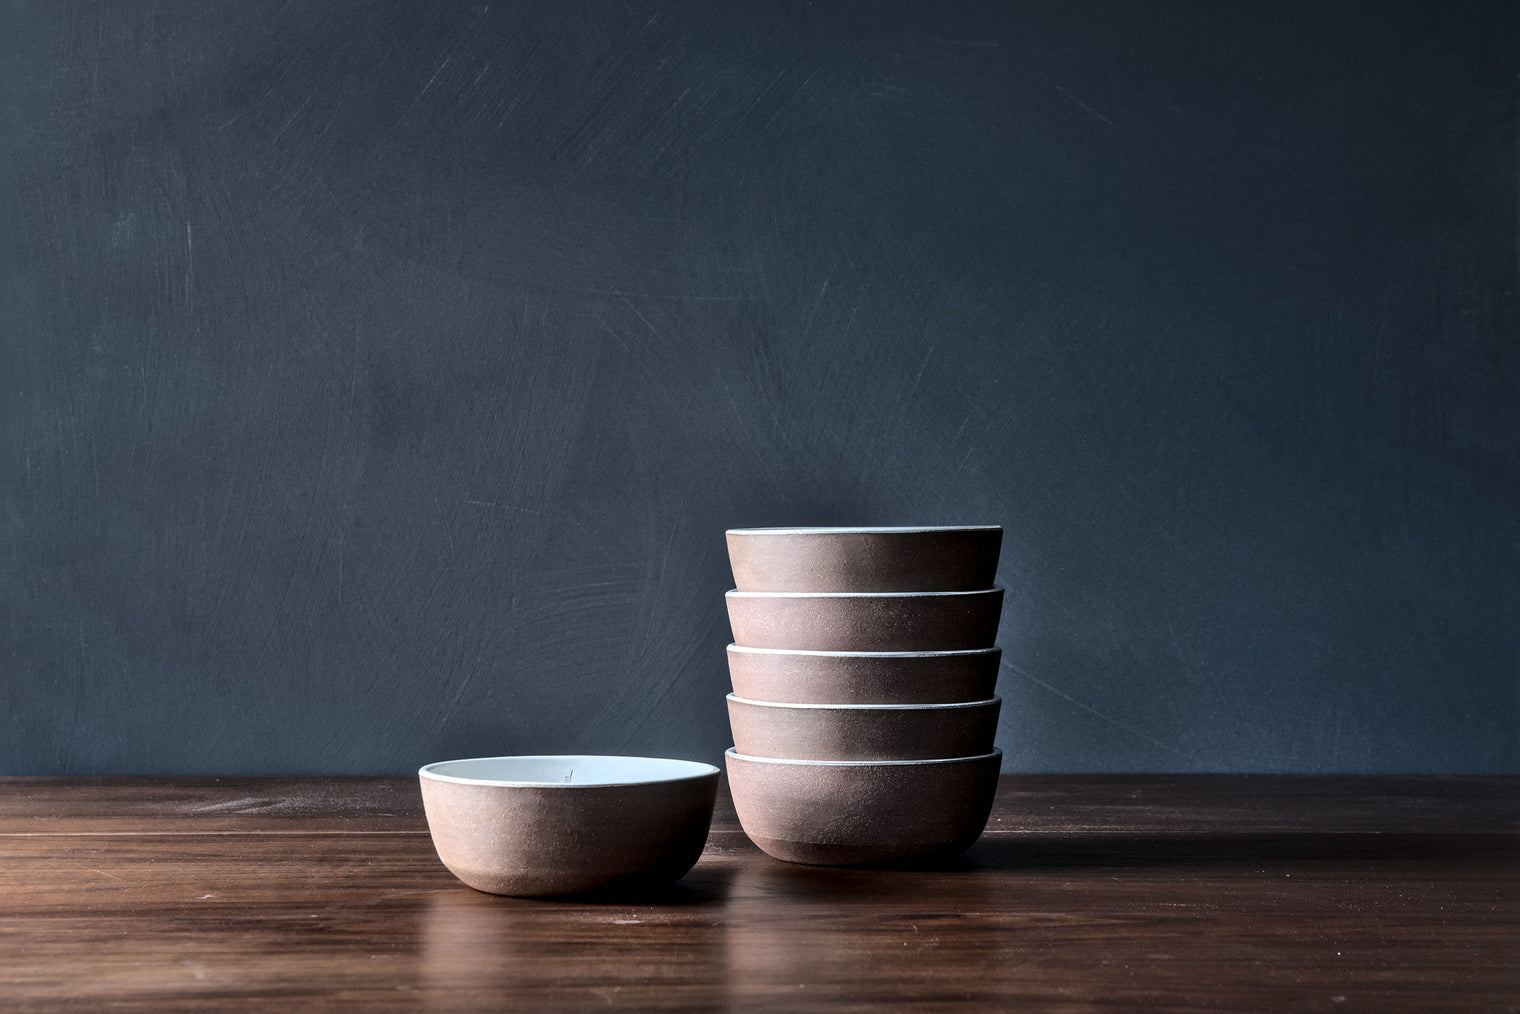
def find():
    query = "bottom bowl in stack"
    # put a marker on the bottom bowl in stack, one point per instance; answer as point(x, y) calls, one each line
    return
point(846, 813)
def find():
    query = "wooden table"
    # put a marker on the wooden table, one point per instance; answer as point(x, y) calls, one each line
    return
point(1199, 892)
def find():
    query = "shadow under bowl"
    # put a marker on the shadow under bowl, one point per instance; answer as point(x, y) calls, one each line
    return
point(866, 621)
point(863, 677)
point(948, 558)
point(848, 813)
point(862, 732)
point(547, 825)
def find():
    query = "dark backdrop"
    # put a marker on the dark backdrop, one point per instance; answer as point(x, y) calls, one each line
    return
point(378, 379)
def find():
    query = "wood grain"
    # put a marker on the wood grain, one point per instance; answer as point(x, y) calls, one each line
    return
point(1178, 893)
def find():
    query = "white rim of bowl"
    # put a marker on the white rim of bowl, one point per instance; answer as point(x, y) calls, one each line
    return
point(864, 530)
point(736, 593)
point(733, 752)
point(957, 653)
point(679, 770)
point(948, 706)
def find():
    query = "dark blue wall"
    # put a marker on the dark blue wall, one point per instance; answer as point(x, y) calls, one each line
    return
point(378, 379)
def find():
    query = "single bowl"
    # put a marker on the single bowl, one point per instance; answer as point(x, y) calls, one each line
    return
point(863, 677)
point(560, 825)
point(856, 732)
point(955, 558)
point(845, 813)
point(866, 621)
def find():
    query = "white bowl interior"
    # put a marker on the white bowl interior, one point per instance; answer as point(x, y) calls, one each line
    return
point(565, 770)
point(735, 593)
point(744, 649)
point(733, 752)
point(953, 706)
point(868, 530)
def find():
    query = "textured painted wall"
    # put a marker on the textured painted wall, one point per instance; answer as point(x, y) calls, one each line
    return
point(376, 380)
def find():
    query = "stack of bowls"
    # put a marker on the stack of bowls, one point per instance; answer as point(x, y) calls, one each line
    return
point(863, 668)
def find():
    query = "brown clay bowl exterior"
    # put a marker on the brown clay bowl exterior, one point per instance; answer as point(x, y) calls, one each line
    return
point(844, 813)
point(867, 621)
point(854, 732)
point(958, 558)
point(531, 826)
point(863, 677)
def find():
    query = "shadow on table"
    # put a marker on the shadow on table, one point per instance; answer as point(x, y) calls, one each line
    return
point(696, 888)
point(1034, 851)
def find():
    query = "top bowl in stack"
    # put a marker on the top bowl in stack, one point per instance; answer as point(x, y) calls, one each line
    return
point(961, 558)
point(863, 668)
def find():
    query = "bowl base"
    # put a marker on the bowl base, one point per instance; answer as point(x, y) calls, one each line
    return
point(811, 853)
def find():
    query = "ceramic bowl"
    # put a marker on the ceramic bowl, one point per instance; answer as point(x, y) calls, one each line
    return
point(863, 677)
point(846, 813)
point(866, 621)
point(958, 558)
point(850, 732)
point(560, 825)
